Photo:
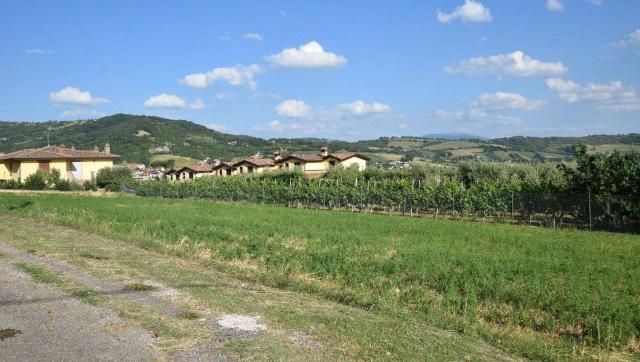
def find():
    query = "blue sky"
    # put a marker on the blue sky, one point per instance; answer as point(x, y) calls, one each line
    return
point(335, 69)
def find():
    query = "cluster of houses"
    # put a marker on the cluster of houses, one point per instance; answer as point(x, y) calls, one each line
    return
point(312, 165)
point(83, 165)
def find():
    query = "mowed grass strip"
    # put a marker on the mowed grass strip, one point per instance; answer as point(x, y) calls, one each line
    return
point(557, 289)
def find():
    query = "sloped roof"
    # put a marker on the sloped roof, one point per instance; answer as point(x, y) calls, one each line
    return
point(303, 157)
point(55, 153)
point(223, 164)
point(197, 168)
point(256, 162)
point(341, 156)
point(347, 155)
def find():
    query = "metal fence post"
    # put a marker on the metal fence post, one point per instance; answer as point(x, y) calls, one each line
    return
point(512, 205)
point(590, 226)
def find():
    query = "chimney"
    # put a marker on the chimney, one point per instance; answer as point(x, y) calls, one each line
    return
point(324, 151)
point(73, 147)
point(215, 162)
point(62, 145)
point(107, 149)
point(277, 155)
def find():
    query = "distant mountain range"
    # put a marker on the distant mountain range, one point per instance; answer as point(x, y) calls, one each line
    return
point(145, 138)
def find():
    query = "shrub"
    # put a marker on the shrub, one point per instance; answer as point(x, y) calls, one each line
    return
point(10, 185)
point(111, 175)
point(36, 181)
point(89, 185)
point(64, 185)
point(53, 177)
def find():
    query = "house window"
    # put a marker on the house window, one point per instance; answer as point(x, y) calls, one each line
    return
point(228, 172)
point(250, 169)
point(332, 163)
point(43, 166)
point(241, 169)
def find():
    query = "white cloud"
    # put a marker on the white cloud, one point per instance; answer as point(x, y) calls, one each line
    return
point(516, 64)
point(613, 96)
point(276, 125)
point(360, 108)
point(37, 51)
point(307, 56)
point(81, 113)
point(164, 100)
point(238, 75)
point(293, 108)
point(252, 36)
point(506, 101)
point(631, 41)
point(471, 11)
point(555, 5)
point(74, 95)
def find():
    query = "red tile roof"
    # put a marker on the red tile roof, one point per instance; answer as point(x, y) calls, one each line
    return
point(55, 153)
point(256, 162)
point(197, 168)
point(347, 155)
point(305, 157)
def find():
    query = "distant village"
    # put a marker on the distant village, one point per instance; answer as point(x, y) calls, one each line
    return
point(83, 165)
point(311, 164)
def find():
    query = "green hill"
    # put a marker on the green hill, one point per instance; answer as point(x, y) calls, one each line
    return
point(142, 138)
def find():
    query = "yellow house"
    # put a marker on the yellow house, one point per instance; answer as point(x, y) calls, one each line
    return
point(253, 165)
point(224, 169)
point(74, 165)
point(190, 172)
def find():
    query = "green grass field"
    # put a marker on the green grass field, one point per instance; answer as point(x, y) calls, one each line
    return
point(539, 293)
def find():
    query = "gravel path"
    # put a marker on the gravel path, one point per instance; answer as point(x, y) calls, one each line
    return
point(38, 323)
point(83, 278)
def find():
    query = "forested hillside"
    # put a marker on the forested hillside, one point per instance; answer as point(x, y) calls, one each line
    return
point(144, 138)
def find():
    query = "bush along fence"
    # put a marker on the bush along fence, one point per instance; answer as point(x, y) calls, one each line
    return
point(482, 202)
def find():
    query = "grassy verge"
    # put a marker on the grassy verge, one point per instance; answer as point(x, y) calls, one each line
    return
point(300, 326)
point(544, 294)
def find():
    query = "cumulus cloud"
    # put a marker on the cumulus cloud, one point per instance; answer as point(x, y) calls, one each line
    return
point(555, 5)
point(293, 108)
point(81, 113)
point(506, 101)
point(632, 41)
point(252, 36)
point(360, 108)
point(516, 64)
point(470, 11)
point(238, 75)
point(164, 100)
point(613, 96)
point(307, 56)
point(72, 95)
point(276, 125)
